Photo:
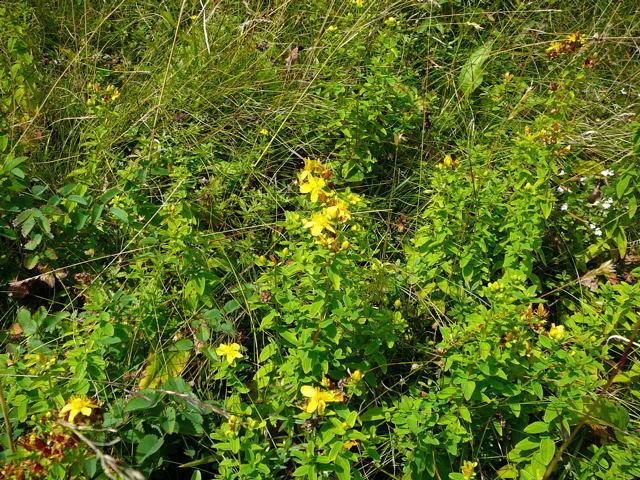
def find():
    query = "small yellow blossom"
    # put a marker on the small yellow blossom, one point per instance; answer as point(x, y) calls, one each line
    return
point(575, 38)
point(318, 223)
point(554, 48)
point(556, 331)
point(345, 244)
point(230, 350)
point(318, 398)
point(356, 376)
point(115, 95)
point(353, 198)
point(339, 210)
point(78, 406)
point(468, 469)
point(391, 21)
point(358, 3)
point(508, 76)
point(331, 28)
point(264, 131)
point(314, 186)
point(397, 303)
point(449, 161)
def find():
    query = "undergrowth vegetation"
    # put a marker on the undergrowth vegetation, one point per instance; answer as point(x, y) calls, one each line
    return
point(360, 239)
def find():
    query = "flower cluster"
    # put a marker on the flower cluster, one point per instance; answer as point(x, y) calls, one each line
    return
point(99, 95)
point(571, 43)
point(41, 451)
point(335, 209)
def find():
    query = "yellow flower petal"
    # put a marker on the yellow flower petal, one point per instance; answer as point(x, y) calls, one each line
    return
point(307, 391)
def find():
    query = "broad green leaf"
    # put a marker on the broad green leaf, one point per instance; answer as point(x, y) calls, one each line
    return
point(149, 445)
point(162, 366)
point(120, 214)
point(537, 427)
point(468, 387)
point(471, 72)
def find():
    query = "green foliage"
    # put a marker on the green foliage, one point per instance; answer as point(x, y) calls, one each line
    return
point(253, 240)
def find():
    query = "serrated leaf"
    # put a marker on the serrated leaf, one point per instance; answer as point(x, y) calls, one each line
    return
point(34, 242)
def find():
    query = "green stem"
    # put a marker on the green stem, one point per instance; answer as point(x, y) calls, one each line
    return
point(7, 423)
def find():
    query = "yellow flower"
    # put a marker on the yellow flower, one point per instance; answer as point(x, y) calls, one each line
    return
point(115, 95)
point(312, 167)
point(449, 161)
point(264, 131)
point(468, 469)
point(339, 210)
point(356, 376)
point(318, 223)
point(345, 244)
point(576, 38)
point(331, 28)
point(556, 331)
point(508, 76)
point(554, 48)
point(314, 186)
point(353, 198)
point(78, 406)
point(230, 350)
point(358, 3)
point(318, 398)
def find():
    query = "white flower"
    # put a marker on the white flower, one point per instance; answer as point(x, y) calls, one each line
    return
point(607, 203)
point(607, 173)
point(583, 179)
point(595, 203)
point(564, 207)
point(596, 230)
point(623, 91)
point(561, 172)
point(560, 189)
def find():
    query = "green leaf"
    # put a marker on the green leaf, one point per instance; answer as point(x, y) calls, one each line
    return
point(140, 403)
point(149, 445)
point(471, 72)
point(622, 186)
point(547, 450)
point(78, 199)
point(120, 214)
point(28, 325)
point(468, 387)
point(108, 195)
point(34, 242)
point(621, 241)
point(537, 427)
point(301, 471)
point(231, 306)
point(343, 468)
